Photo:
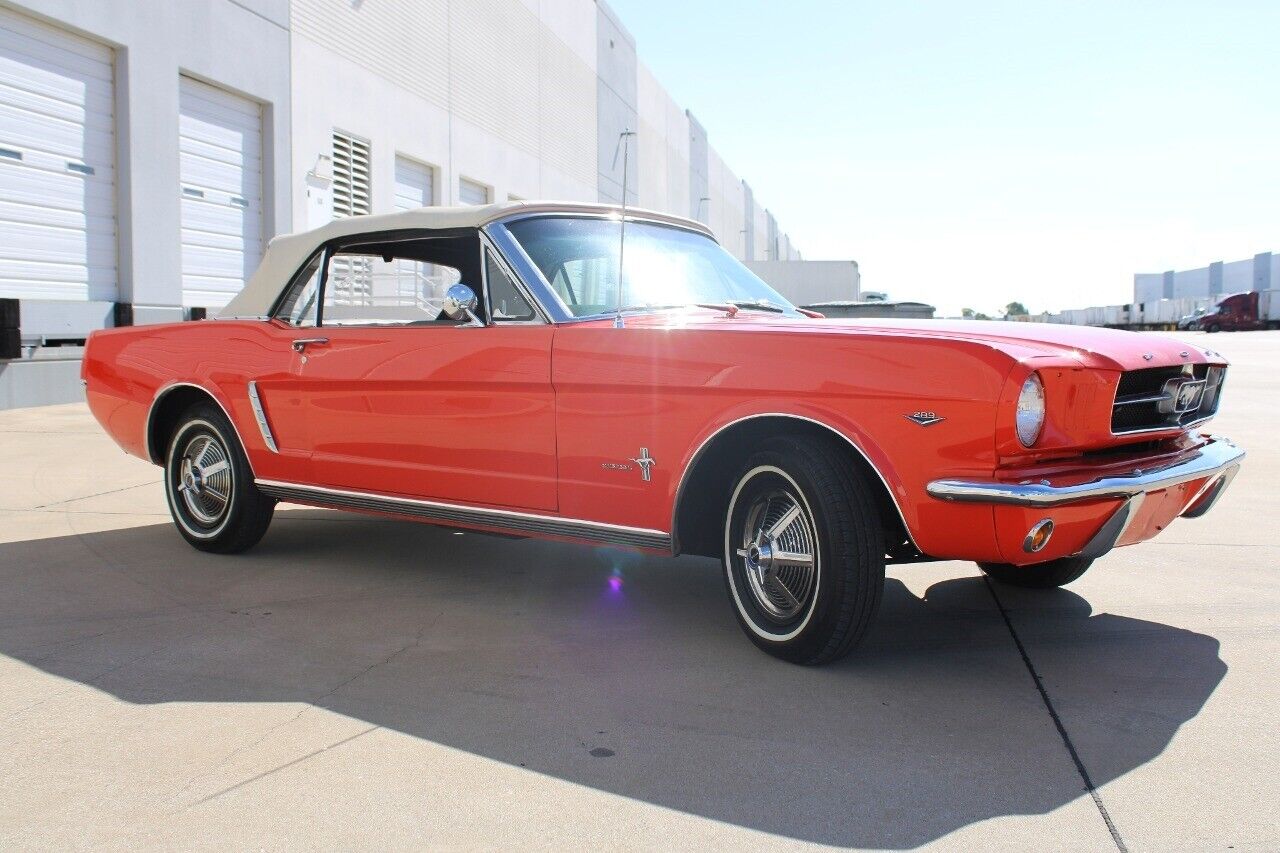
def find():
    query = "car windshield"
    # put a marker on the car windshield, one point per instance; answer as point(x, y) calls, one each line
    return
point(664, 267)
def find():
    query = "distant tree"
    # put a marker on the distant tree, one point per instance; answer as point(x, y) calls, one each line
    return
point(1016, 309)
point(966, 313)
point(981, 316)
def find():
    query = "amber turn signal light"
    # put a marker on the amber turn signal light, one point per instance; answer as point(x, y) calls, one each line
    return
point(1038, 536)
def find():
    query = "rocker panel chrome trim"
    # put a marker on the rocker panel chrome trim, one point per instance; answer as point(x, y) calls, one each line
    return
point(592, 531)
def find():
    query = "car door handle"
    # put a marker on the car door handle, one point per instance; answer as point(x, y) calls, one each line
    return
point(300, 344)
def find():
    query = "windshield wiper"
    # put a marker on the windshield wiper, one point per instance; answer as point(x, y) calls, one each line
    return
point(731, 305)
point(648, 307)
point(757, 305)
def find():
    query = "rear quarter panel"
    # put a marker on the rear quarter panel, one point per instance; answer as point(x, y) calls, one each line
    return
point(126, 369)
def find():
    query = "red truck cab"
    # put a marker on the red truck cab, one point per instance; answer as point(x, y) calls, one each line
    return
point(1235, 313)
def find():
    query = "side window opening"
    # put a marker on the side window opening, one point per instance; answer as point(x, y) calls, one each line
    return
point(386, 285)
point(383, 280)
point(400, 282)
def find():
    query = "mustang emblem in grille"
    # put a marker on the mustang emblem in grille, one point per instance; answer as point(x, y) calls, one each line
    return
point(924, 418)
point(1181, 394)
point(1188, 396)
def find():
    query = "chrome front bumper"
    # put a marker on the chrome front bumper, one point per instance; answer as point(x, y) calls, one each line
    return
point(1218, 460)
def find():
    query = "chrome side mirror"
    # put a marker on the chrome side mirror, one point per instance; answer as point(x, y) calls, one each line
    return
point(460, 303)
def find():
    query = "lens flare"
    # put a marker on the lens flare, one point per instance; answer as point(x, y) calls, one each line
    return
point(616, 561)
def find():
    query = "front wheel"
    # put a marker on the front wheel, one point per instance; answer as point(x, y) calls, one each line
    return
point(1048, 575)
point(803, 550)
point(1213, 328)
point(209, 485)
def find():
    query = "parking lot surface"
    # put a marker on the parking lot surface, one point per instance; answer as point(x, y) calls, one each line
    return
point(361, 683)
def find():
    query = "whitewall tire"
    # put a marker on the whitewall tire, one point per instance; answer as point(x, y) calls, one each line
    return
point(803, 550)
point(209, 485)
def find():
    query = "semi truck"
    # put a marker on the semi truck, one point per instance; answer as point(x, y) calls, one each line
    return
point(1237, 312)
point(1241, 312)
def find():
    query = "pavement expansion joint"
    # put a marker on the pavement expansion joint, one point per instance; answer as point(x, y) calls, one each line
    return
point(1057, 722)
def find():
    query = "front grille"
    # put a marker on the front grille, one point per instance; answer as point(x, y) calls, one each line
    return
point(1146, 399)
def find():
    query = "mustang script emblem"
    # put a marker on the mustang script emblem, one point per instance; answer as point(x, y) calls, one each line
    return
point(924, 418)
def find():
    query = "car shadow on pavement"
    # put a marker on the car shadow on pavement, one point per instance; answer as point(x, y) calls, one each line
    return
point(620, 672)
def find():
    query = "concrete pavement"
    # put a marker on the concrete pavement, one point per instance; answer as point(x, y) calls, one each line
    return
point(360, 683)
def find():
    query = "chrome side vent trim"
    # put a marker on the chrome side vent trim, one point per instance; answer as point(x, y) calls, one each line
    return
point(261, 417)
point(508, 520)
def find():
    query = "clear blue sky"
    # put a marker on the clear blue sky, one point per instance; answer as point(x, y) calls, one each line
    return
point(967, 153)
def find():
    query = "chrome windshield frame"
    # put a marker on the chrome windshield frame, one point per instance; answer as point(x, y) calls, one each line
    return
point(536, 283)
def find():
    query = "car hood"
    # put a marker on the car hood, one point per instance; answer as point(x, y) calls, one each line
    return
point(1094, 347)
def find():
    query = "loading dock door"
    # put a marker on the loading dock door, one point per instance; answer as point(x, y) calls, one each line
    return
point(57, 164)
point(220, 145)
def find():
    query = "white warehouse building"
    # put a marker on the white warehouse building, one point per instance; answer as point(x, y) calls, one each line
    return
point(149, 149)
point(1261, 272)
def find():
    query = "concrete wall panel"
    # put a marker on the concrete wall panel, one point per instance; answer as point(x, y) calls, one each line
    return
point(1191, 284)
point(1237, 277)
point(616, 113)
point(699, 168)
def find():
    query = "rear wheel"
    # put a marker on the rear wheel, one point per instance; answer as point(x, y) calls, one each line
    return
point(1212, 328)
point(209, 486)
point(803, 551)
point(1054, 573)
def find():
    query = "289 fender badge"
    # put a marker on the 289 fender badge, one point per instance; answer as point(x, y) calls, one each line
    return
point(924, 418)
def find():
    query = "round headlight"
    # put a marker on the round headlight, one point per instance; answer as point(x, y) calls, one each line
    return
point(1030, 418)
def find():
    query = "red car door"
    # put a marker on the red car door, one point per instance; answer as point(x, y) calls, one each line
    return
point(394, 398)
point(457, 414)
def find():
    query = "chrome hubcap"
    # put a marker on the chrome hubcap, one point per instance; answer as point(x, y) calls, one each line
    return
point(204, 479)
point(778, 552)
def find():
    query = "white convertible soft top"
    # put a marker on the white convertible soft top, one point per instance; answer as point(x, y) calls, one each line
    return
point(286, 253)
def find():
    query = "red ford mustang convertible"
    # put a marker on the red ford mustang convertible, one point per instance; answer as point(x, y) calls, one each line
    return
point(479, 367)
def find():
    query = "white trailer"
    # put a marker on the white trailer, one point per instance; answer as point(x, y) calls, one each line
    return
point(1269, 307)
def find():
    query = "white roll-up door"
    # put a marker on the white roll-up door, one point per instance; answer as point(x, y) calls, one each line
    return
point(421, 283)
point(415, 184)
point(220, 144)
point(57, 164)
point(471, 192)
